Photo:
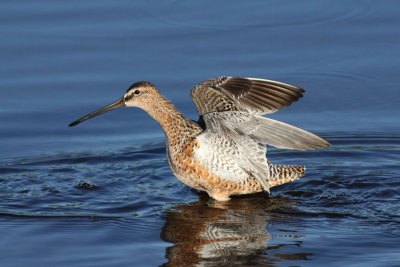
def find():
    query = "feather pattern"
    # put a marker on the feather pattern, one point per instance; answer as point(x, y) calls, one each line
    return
point(266, 131)
point(233, 145)
point(259, 96)
point(231, 156)
point(247, 99)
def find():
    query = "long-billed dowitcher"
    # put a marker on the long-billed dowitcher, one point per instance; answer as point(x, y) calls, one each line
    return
point(224, 152)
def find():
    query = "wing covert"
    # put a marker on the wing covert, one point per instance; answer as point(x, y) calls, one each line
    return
point(258, 96)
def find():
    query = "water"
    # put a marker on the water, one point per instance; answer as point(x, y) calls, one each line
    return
point(102, 193)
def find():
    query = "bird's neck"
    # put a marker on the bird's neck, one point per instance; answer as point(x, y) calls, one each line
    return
point(178, 129)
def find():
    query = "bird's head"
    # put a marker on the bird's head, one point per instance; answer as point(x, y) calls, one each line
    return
point(140, 94)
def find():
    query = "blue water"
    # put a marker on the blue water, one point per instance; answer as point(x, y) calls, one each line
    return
point(102, 194)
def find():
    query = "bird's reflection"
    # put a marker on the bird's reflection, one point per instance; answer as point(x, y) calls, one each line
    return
point(213, 233)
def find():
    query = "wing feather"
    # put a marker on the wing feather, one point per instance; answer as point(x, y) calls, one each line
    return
point(260, 96)
point(266, 131)
point(233, 105)
point(282, 135)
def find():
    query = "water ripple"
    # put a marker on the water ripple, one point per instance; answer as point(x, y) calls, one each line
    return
point(203, 16)
point(138, 182)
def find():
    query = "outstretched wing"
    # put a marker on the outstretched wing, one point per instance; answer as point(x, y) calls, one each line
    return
point(234, 105)
point(233, 145)
point(259, 96)
point(262, 130)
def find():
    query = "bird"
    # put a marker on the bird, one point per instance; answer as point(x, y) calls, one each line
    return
point(224, 152)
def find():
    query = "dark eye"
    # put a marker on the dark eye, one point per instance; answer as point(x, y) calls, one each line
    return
point(137, 92)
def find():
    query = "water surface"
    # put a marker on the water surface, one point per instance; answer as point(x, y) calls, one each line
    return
point(102, 193)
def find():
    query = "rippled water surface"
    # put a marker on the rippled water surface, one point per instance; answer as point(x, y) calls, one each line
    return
point(102, 193)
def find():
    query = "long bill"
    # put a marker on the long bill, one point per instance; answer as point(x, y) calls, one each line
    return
point(117, 104)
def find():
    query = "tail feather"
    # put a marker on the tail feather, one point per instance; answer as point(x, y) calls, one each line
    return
point(281, 174)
